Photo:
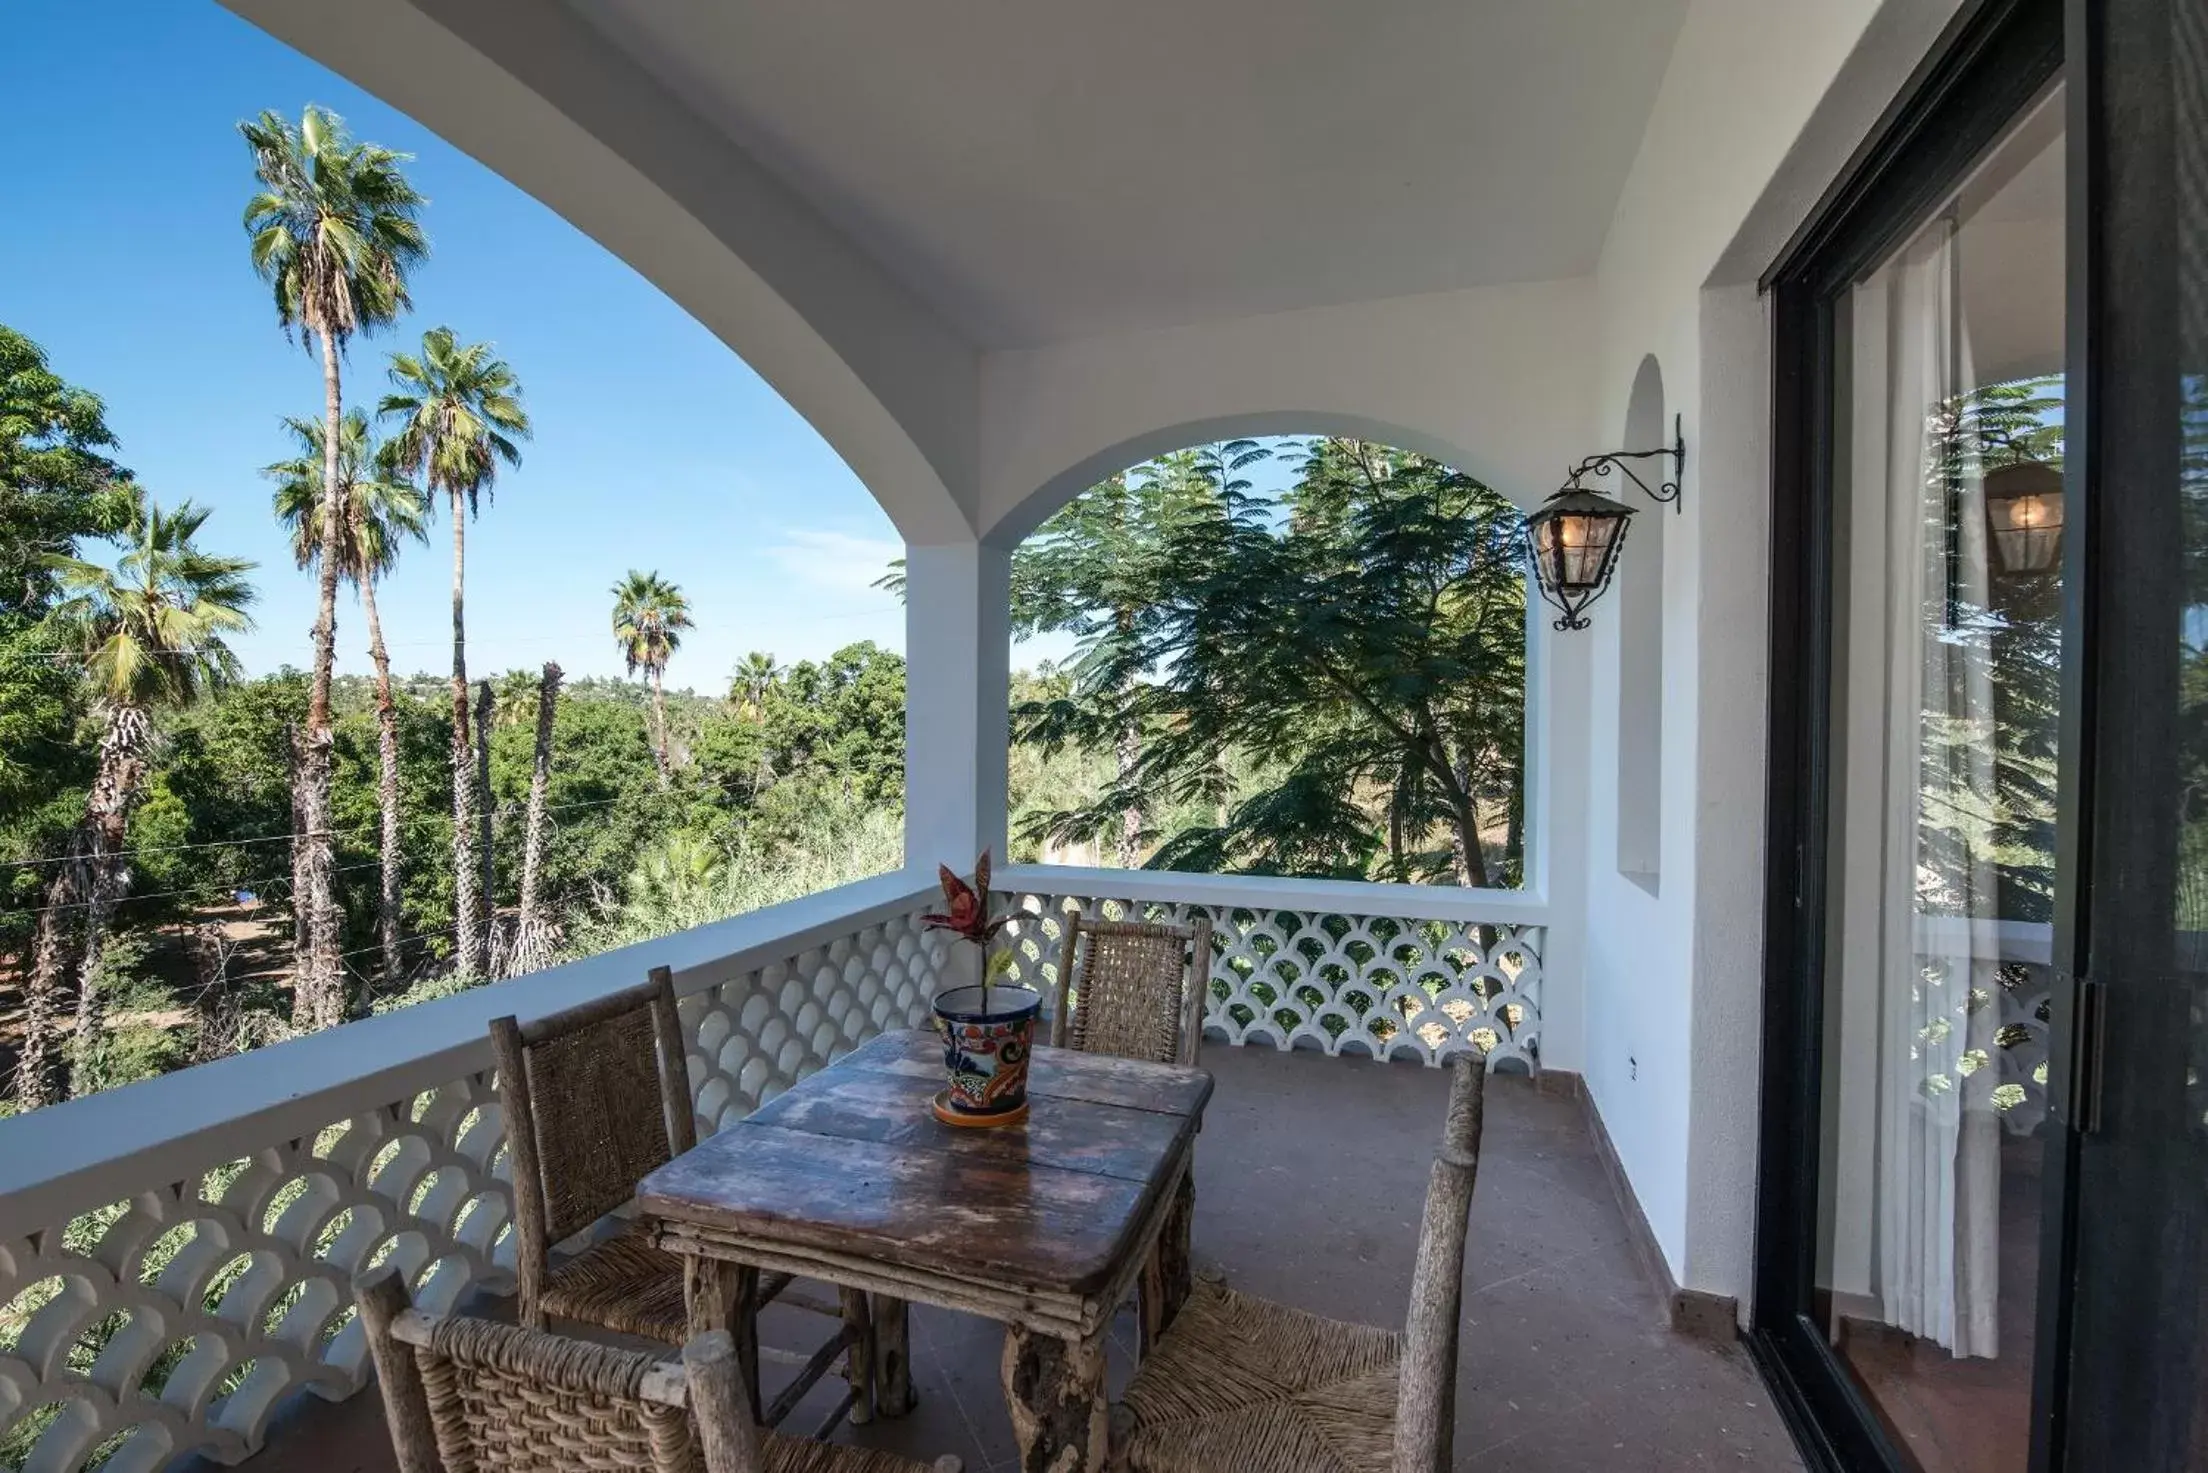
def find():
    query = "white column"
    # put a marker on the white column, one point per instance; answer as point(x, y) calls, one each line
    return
point(957, 694)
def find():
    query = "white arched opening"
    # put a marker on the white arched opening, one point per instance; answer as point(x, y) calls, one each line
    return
point(1640, 616)
point(1521, 849)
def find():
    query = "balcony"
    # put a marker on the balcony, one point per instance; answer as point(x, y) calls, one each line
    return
point(175, 1255)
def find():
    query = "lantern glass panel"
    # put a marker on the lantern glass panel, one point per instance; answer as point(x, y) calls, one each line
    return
point(2024, 511)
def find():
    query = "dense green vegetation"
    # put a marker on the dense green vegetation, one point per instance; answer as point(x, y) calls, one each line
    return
point(1328, 683)
point(194, 862)
point(1323, 681)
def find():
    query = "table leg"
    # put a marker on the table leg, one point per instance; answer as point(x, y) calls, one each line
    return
point(892, 1356)
point(858, 1361)
point(1055, 1391)
point(1166, 1276)
point(708, 1293)
point(725, 1296)
point(1175, 1246)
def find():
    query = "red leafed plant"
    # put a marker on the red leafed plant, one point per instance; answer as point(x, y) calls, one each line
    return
point(965, 914)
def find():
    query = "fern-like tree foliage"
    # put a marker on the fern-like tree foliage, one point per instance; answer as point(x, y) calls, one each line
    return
point(1334, 679)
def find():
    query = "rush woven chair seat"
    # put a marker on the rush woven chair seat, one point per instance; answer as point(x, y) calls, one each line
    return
point(597, 1098)
point(1240, 1383)
point(464, 1395)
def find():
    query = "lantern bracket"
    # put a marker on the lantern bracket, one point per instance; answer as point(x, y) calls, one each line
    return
point(1664, 492)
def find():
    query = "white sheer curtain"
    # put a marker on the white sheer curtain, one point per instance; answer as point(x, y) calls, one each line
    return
point(1938, 1169)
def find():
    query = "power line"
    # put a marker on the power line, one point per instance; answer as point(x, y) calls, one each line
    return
point(498, 815)
point(217, 886)
point(207, 887)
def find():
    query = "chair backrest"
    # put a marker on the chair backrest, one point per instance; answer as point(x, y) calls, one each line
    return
point(595, 1099)
point(470, 1394)
point(1426, 1403)
point(1136, 996)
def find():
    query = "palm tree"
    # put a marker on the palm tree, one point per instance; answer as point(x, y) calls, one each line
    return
point(382, 510)
point(335, 228)
point(517, 697)
point(754, 676)
point(150, 631)
point(533, 933)
point(460, 416)
point(649, 615)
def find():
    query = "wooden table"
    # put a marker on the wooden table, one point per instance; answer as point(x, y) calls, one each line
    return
point(848, 1178)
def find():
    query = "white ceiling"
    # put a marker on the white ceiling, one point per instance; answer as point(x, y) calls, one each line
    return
point(1046, 169)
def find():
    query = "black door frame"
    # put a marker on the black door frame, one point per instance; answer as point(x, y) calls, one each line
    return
point(1994, 60)
point(2138, 210)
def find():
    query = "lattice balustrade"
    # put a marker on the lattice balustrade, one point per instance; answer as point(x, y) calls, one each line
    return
point(755, 1036)
point(1378, 985)
point(178, 1321)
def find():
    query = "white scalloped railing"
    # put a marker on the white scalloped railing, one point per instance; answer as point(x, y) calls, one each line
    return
point(176, 1256)
point(1382, 970)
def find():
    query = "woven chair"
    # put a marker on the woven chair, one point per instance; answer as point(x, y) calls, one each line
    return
point(596, 1098)
point(1141, 988)
point(1240, 1383)
point(1140, 995)
point(465, 1395)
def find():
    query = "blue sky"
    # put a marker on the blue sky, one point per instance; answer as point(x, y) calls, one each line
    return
point(121, 253)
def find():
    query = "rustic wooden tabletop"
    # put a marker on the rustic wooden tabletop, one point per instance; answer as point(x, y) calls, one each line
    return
point(853, 1160)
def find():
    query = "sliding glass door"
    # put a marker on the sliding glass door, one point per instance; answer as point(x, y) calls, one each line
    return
point(1946, 694)
point(1923, 602)
point(1983, 1237)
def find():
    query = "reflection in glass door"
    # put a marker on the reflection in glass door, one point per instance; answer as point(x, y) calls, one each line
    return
point(1948, 516)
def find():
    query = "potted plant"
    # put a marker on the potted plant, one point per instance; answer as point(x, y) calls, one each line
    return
point(988, 1027)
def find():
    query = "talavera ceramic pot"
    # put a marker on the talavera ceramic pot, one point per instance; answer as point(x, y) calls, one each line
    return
point(985, 1053)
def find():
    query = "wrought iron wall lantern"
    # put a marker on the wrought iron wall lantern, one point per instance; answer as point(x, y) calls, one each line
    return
point(2024, 513)
point(1577, 534)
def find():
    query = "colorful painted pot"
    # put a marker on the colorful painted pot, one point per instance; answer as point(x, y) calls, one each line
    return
point(985, 1054)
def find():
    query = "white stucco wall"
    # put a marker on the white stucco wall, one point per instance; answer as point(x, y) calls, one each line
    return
point(1762, 104)
point(1495, 380)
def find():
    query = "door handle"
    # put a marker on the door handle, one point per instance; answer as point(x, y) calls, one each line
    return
point(2080, 1107)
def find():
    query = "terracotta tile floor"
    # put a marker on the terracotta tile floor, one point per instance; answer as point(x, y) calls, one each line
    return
point(1310, 1179)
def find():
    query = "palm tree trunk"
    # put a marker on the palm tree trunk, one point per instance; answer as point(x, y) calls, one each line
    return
point(533, 934)
point(485, 708)
point(318, 998)
point(387, 788)
point(52, 970)
point(298, 854)
point(467, 918)
point(106, 821)
point(659, 722)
